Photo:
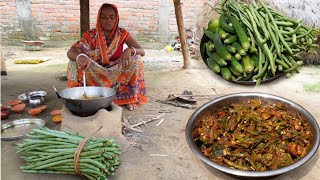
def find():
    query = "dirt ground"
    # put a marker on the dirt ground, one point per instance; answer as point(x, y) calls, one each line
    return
point(164, 76)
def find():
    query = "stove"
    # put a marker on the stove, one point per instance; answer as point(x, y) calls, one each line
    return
point(110, 119)
point(109, 108)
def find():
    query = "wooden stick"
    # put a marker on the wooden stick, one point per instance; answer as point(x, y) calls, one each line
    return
point(143, 122)
point(159, 155)
point(136, 130)
point(133, 143)
point(182, 34)
point(127, 125)
point(187, 106)
point(167, 110)
point(147, 121)
point(160, 122)
point(199, 95)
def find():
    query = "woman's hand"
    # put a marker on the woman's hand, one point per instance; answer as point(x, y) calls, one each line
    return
point(125, 58)
point(84, 62)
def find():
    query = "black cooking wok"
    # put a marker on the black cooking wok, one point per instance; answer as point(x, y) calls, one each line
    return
point(96, 98)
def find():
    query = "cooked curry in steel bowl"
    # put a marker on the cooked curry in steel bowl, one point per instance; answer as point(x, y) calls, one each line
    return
point(253, 135)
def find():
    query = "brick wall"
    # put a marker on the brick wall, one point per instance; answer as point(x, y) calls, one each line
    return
point(59, 19)
point(190, 11)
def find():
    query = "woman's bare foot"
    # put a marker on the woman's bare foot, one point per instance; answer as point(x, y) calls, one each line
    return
point(132, 107)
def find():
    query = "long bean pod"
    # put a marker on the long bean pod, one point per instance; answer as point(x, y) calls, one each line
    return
point(273, 38)
point(255, 28)
point(276, 27)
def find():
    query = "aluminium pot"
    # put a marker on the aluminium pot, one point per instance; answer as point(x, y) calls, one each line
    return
point(99, 98)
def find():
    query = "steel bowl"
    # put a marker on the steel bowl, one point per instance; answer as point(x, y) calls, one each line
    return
point(100, 98)
point(25, 97)
point(233, 98)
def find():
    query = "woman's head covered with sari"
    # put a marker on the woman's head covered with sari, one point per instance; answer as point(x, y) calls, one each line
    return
point(104, 43)
point(108, 21)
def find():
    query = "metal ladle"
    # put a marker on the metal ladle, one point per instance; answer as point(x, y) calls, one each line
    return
point(84, 85)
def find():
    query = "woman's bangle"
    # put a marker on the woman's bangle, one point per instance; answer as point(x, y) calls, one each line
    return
point(81, 54)
point(134, 51)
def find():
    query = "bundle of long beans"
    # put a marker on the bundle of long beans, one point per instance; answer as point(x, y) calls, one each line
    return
point(258, 34)
point(51, 151)
point(280, 39)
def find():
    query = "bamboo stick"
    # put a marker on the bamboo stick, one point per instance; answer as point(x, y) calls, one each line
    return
point(182, 34)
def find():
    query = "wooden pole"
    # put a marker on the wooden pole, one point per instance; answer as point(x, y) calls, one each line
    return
point(84, 16)
point(182, 34)
point(3, 66)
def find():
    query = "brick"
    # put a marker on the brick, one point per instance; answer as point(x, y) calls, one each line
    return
point(73, 11)
point(35, 2)
point(60, 10)
point(5, 12)
point(138, 14)
point(73, 19)
point(73, 27)
point(47, 11)
point(59, 18)
point(56, 30)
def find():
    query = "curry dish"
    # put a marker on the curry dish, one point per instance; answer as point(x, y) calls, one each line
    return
point(253, 136)
point(86, 97)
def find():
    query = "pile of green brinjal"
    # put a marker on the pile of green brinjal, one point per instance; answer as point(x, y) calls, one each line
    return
point(252, 42)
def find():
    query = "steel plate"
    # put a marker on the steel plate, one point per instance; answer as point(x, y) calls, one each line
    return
point(19, 128)
point(26, 96)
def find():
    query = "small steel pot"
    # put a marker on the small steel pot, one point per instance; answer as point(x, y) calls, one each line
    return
point(35, 101)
